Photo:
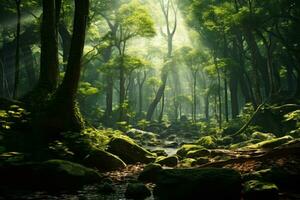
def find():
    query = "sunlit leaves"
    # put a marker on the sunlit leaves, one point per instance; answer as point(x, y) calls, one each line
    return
point(135, 20)
point(86, 89)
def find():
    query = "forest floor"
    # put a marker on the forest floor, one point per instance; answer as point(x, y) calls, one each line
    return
point(243, 161)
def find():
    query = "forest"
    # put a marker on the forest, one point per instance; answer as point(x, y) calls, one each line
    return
point(150, 99)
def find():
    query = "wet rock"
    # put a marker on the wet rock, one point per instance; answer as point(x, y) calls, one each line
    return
point(207, 142)
point(184, 149)
point(49, 175)
point(190, 184)
point(129, 151)
point(104, 161)
point(170, 161)
point(160, 152)
point(201, 161)
point(198, 153)
point(149, 174)
point(171, 145)
point(106, 188)
point(137, 191)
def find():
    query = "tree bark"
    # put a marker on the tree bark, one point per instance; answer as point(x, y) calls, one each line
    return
point(17, 64)
point(49, 48)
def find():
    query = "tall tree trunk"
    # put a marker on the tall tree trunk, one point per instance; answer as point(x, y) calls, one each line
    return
point(233, 86)
point(226, 98)
point(66, 42)
point(17, 64)
point(158, 96)
point(49, 48)
point(29, 64)
point(122, 94)
point(70, 118)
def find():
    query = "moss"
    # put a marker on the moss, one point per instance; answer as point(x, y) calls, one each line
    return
point(170, 161)
point(129, 151)
point(184, 149)
point(269, 144)
point(198, 153)
point(187, 162)
point(262, 136)
point(258, 190)
point(207, 141)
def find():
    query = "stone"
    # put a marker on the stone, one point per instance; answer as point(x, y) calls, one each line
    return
point(137, 191)
point(129, 151)
point(104, 161)
point(184, 149)
point(150, 172)
point(257, 190)
point(205, 183)
point(170, 161)
point(198, 153)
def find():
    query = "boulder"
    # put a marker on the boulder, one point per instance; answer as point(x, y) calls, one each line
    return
point(205, 183)
point(201, 161)
point(184, 149)
point(104, 161)
point(257, 190)
point(150, 172)
point(160, 152)
point(129, 151)
point(49, 175)
point(137, 191)
point(198, 153)
point(170, 161)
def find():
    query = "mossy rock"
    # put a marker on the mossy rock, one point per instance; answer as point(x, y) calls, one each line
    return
point(198, 153)
point(129, 151)
point(207, 183)
point(258, 190)
point(273, 143)
point(150, 172)
point(207, 142)
point(49, 175)
point(103, 161)
point(184, 149)
point(187, 162)
point(262, 136)
point(201, 161)
point(160, 152)
point(170, 161)
point(284, 179)
point(137, 191)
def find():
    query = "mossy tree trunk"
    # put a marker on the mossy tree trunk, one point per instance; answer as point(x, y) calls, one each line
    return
point(69, 117)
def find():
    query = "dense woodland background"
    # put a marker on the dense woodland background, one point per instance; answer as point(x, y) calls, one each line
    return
point(80, 78)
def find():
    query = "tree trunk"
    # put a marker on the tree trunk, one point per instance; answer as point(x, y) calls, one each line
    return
point(233, 86)
point(29, 65)
point(17, 64)
point(49, 48)
point(69, 118)
point(122, 93)
point(226, 98)
point(66, 42)
point(158, 96)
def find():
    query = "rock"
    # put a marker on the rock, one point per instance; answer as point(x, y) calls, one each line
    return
point(283, 178)
point(106, 188)
point(170, 161)
point(207, 142)
point(129, 151)
point(198, 153)
point(257, 190)
point(160, 152)
point(150, 172)
point(171, 145)
point(201, 161)
point(49, 175)
point(184, 149)
point(137, 191)
point(262, 136)
point(187, 162)
point(190, 184)
point(103, 161)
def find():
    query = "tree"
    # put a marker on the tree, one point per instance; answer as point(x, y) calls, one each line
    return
point(166, 6)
